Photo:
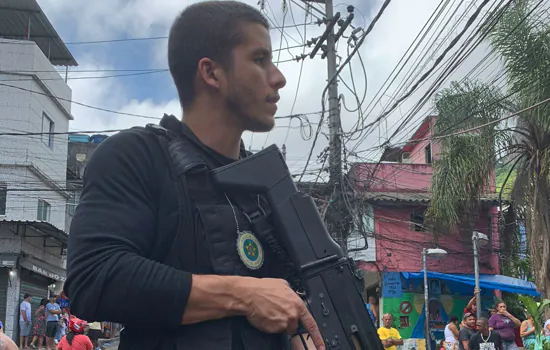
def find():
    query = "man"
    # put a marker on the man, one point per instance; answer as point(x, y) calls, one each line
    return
point(471, 308)
point(25, 318)
point(52, 322)
point(132, 247)
point(5, 342)
point(389, 336)
point(485, 339)
point(94, 332)
point(466, 331)
point(372, 307)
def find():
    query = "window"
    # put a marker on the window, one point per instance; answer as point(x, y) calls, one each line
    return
point(44, 209)
point(72, 203)
point(417, 218)
point(48, 128)
point(3, 198)
point(428, 153)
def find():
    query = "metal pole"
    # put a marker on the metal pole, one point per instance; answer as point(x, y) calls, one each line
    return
point(426, 308)
point(476, 272)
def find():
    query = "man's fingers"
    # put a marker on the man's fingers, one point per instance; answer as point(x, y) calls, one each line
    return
point(312, 329)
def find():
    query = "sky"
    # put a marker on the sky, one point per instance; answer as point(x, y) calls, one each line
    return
point(153, 94)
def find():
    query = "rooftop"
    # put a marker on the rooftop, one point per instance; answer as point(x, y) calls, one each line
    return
point(16, 16)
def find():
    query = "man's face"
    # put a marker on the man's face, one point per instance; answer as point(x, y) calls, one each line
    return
point(253, 81)
point(387, 320)
point(482, 326)
point(471, 321)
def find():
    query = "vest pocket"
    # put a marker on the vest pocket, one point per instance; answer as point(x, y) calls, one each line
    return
point(219, 231)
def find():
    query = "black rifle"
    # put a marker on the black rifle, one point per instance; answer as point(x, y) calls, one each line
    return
point(327, 277)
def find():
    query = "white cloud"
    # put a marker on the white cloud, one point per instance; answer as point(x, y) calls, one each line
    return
point(381, 52)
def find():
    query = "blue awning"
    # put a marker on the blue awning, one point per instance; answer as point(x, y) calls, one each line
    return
point(493, 282)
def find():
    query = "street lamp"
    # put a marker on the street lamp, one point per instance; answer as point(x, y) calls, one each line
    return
point(434, 253)
point(478, 240)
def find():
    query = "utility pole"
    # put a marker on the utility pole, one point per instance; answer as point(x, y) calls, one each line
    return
point(335, 217)
point(335, 145)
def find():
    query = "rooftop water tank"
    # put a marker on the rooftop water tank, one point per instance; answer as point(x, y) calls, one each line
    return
point(79, 138)
point(98, 138)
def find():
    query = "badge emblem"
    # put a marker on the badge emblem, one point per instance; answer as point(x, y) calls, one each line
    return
point(250, 250)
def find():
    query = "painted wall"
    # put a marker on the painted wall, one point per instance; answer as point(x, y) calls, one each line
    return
point(399, 246)
point(393, 177)
point(451, 304)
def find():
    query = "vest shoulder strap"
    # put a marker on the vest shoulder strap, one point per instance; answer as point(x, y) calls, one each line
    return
point(184, 162)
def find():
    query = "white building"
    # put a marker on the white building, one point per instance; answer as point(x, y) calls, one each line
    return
point(35, 101)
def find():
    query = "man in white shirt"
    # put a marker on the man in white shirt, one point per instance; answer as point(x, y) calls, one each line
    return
point(25, 318)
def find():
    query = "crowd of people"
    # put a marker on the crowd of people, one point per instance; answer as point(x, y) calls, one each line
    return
point(496, 332)
point(54, 327)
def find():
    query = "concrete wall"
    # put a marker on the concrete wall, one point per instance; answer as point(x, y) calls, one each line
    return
point(23, 205)
point(393, 177)
point(33, 82)
point(399, 246)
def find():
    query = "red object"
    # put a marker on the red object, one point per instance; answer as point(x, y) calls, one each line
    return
point(405, 307)
point(77, 325)
point(519, 341)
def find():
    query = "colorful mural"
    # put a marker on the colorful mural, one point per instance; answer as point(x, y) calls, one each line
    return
point(408, 312)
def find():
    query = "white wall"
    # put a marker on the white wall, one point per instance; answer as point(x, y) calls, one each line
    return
point(23, 205)
point(24, 66)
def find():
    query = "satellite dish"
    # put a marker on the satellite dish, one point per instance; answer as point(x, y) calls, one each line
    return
point(80, 157)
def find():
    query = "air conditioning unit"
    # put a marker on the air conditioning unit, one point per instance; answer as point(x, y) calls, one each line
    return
point(405, 157)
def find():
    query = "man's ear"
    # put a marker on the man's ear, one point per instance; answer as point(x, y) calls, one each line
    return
point(210, 72)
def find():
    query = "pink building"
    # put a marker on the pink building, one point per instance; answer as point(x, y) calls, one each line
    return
point(397, 189)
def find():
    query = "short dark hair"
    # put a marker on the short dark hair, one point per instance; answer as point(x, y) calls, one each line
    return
point(453, 318)
point(483, 320)
point(206, 29)
point(27, 295)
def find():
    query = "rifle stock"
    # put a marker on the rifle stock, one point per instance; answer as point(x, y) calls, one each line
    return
point(331, 293)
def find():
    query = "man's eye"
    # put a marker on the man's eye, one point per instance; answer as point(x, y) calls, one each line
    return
point(260, 60)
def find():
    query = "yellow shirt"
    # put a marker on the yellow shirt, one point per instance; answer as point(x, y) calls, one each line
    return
point(389, 333)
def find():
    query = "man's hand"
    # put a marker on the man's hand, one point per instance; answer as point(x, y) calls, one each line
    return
point(273, 307)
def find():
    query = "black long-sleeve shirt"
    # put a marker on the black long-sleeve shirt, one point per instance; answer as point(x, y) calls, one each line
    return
point(115, 228)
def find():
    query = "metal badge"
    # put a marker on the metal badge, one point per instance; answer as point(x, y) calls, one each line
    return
point(250, 250)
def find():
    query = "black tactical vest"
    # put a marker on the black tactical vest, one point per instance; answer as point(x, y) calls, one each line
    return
point(205, 243)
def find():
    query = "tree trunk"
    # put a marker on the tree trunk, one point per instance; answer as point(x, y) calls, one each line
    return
point(538, 232)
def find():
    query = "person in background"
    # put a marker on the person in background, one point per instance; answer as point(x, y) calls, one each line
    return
point(39, 329)
point(442, 344)
point(485, 339)
point(527, 332)
point(52, 322)
point(389, 336)
point(466, 331)
point(504, 323)
point(25, 321)
point(94, 332)
point(372, 307)
point(547, 330)
point(5, 342)
point(471, 308)
point(75, 338)
point(451, 333)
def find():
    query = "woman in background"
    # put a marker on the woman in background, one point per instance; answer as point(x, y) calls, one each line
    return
point(75, 338)
point(39, 329)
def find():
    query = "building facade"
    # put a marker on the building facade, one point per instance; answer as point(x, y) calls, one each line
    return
point(35, 110)
point(396, 191)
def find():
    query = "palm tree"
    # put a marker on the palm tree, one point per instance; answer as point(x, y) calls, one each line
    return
point(463, 173)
